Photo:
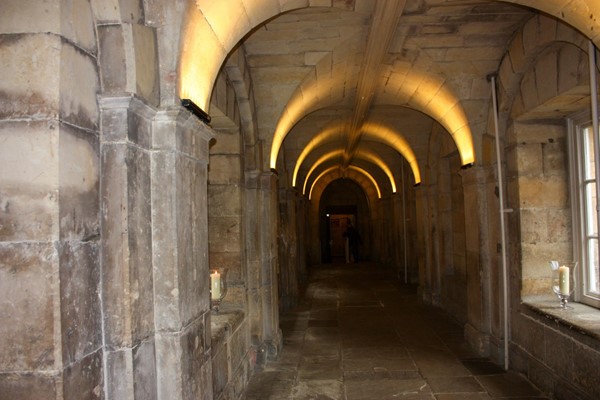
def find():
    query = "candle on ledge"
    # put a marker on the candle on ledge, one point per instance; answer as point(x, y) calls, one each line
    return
point(215, 284)
point(563, 280)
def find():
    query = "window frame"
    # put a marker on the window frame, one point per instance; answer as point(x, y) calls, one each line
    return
point(577, 124)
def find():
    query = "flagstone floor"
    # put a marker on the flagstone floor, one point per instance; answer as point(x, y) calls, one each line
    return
point(358, 335)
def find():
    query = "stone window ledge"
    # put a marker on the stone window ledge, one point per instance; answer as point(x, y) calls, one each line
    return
point(223, 324)
point(581, 320)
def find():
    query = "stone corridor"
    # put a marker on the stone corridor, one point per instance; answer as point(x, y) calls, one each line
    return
point(358, 335)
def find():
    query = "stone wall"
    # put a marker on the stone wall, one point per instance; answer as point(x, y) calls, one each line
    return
point(543, 81)
point(232, 357)
point(50, 329)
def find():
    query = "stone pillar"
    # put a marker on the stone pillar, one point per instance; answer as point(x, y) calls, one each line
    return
point(252, 223)
point(398, 250)
point(50, 334)
point(477, 328)
point(422, 243)
point(302, 232)
point(180, 256)
point(288, 249)
point(269, 267)
point(261, 249)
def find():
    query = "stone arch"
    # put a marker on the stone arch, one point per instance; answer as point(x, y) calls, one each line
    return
point(315, 209)
point(367, 156)
point(203, 31)
point(543, 78)
point(537, 35)
point(240, 79)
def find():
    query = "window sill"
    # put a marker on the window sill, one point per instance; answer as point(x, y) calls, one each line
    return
point(581, 318)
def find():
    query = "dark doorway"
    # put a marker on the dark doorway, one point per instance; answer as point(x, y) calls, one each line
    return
point(337, 218)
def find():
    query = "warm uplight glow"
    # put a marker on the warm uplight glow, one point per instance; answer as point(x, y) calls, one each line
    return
point(361, 154)
point(396, 141)
point(323, 137)
point(433, 97)
point(352, 167)
point(304, 100)
point(213, 28)
point(375, 159)
point(201, 58)
point(324, 158)
point(368, 175)
point(322, 174)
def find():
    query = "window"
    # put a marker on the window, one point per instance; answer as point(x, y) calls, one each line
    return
point(585, 208)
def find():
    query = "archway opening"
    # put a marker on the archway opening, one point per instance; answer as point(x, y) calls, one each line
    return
point(343, 201)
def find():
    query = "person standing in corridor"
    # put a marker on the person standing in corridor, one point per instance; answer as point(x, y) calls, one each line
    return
point(354, 241)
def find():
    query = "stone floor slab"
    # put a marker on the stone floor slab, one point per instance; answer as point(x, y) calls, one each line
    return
point(359, 335)
point(318, 390)
point(508, 384)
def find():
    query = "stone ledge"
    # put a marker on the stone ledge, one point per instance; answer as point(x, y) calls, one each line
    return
point(223, 324)
point(580, 320)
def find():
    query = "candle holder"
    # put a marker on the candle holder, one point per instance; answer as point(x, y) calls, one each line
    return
point(218, 287)
point(563, 281)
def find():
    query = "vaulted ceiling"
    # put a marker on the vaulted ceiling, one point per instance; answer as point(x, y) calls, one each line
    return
point(365, 83)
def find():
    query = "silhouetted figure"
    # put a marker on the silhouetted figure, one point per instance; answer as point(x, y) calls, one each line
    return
point(354, 241)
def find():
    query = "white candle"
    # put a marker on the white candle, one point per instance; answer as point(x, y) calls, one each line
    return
point(215, 284)
point(563, 280)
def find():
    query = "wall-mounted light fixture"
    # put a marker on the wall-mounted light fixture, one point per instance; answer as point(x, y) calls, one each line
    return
point(197, 111)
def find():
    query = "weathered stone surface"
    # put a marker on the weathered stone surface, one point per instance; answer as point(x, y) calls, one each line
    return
point(224, 234)
point(529, 334)
point(21, 96)
point(119, 376)
point(239, 345)
point(529, 159)
point(83, 380)
point(112, 56)
point(224, 200)
point(220, 369)
point(80, 305)
point(558, 352)
point(196, 367)
point(586, 363)
point(116, 10)
point(29, 285)
point(144, 371)
point(224, 169)
point(129, 302)
point(78, 103)
point(79, 178)
point(534, 192)
point(28, 386)
point(29, 186)
point(129, 61)
point(146, 62)
point(226, 143)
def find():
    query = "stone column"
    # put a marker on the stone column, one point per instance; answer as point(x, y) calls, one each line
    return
point(180, 256)
point(127, 284)
point(477, 328)
point(422, 243)
point(269, 263)
point(252, 231)
point(50, 329)
point(398, 233)
point(302, 231)
point(287, 249)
